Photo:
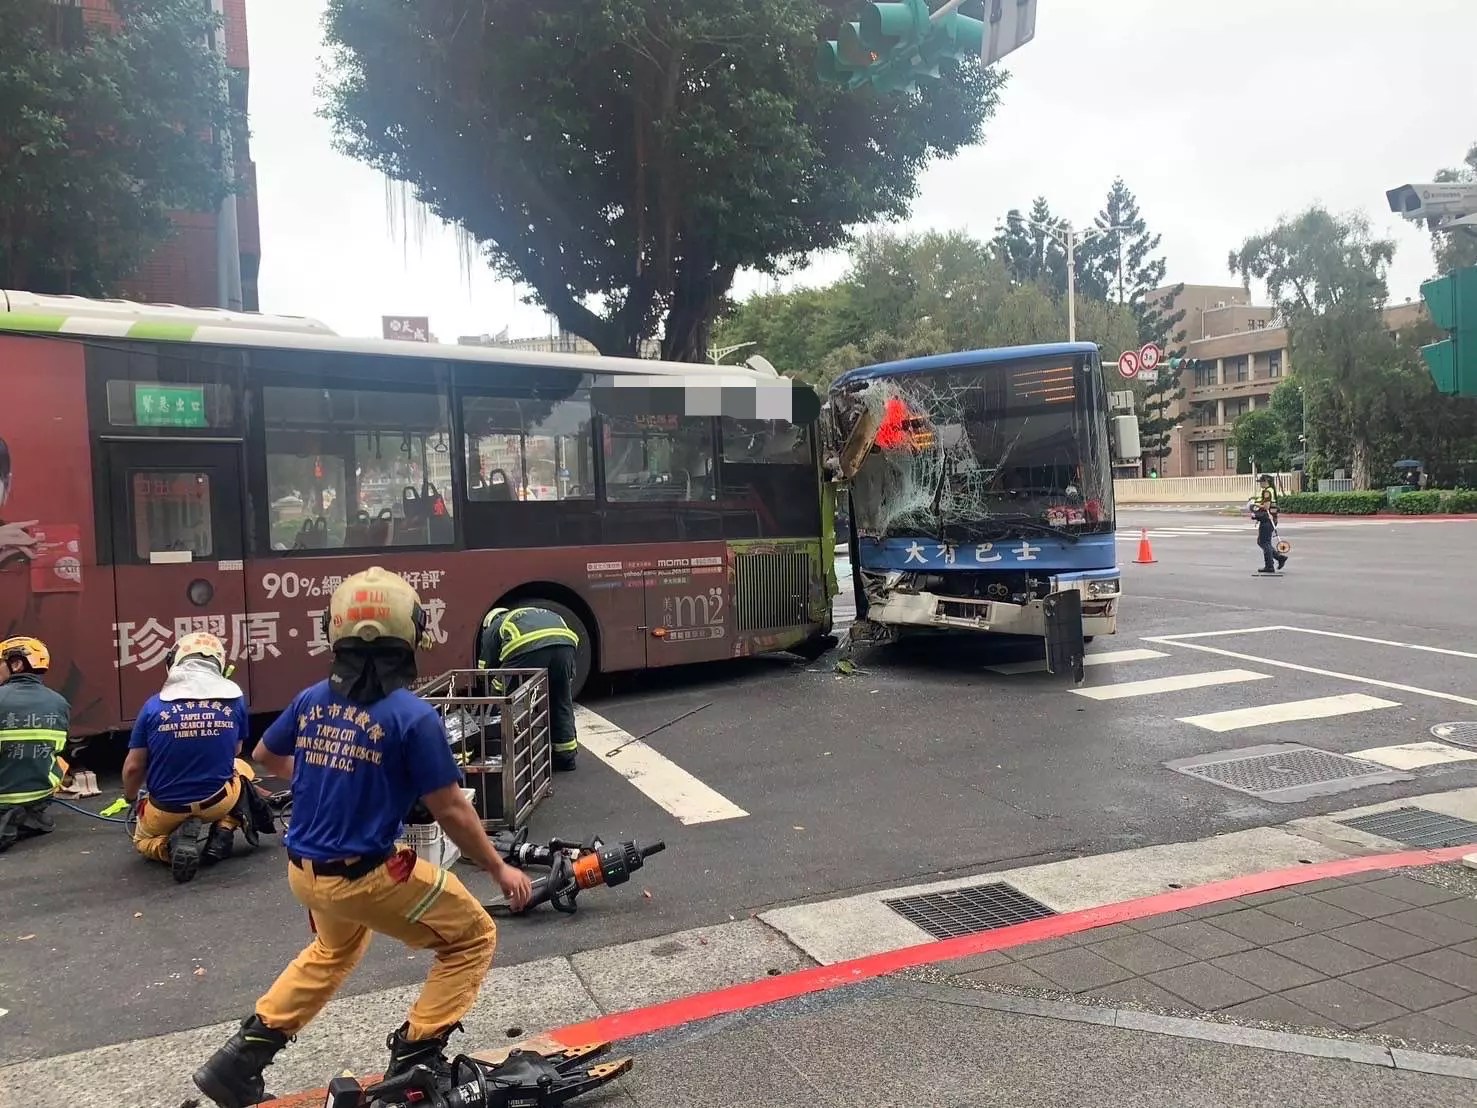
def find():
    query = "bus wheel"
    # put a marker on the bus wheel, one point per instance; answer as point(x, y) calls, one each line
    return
point(584, 655)
point(1087, 639)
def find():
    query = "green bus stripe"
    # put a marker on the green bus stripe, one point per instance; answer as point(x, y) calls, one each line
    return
point(27, 321)
point(163, 330)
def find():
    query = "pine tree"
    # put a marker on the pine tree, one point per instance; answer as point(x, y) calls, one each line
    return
point(1030, 253)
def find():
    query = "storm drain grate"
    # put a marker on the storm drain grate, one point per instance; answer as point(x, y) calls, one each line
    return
point(1462, 733)
point(1286, 772)
point(969, 911)
point(1416, 827)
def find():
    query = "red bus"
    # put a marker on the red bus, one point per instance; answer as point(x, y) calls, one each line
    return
point(166, 469)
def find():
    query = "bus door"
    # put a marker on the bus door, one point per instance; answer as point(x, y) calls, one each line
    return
point(177, 532)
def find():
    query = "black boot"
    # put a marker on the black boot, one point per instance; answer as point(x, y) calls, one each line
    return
point(184, 849)
point(218, 845)
point(405, 1054)
point(563, 763)
point(232, 1077)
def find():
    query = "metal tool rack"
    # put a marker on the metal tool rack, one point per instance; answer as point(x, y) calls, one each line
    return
point(500, 739)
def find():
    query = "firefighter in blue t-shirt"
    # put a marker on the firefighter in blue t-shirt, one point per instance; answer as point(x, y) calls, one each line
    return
point(185, 751)
point(361, 749)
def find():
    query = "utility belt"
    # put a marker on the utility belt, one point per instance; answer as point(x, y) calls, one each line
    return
point(188, 809)
point(349, 868)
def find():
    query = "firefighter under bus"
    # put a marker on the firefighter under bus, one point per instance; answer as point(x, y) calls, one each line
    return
point(980, 492)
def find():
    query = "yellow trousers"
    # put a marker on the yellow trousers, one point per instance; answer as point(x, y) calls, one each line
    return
point(430, 910)
point(151, 836)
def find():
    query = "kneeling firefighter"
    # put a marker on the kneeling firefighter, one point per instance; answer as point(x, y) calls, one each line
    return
point(536, 638)
point(361, 749)
point(186, 751)
point(34, 722)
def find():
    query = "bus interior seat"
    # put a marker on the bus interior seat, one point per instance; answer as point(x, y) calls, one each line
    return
point(381, 528)
point(357, 533)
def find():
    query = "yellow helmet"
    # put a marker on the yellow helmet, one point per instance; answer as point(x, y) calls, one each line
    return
point(198, 644)
point(376, 605)
point(33, 651)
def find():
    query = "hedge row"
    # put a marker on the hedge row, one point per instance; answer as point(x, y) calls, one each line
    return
point(1331, 503)
point(1431, 502)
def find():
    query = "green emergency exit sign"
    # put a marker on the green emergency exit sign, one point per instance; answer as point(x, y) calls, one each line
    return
point(169, 406)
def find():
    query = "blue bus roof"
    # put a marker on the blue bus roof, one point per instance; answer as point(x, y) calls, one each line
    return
point(964, 358)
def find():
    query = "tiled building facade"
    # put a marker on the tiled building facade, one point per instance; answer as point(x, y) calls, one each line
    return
point(1243, 353)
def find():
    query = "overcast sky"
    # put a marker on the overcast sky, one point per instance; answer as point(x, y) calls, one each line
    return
point(1221, 115)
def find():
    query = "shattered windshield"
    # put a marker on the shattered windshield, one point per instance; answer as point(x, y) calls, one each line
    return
point(977, 453)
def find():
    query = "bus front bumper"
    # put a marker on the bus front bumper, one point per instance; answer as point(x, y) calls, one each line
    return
point(999, 617)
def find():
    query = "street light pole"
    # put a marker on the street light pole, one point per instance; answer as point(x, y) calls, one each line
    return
point(1068, 241)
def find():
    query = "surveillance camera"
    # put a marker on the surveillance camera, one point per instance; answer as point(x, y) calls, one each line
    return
point(1434, 200)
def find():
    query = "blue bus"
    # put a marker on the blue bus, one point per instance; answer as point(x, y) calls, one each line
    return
point(979, 491)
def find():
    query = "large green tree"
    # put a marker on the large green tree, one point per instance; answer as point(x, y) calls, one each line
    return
point(1457, 248)
point(1259, 442)
point(623, 159)
point(911, 295)
point(104, 129)
point(1327, 274)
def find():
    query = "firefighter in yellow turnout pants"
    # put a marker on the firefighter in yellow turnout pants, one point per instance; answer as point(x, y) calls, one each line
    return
point(536, 638)
point(361, 749)
point(34, 721)
point(186, 747)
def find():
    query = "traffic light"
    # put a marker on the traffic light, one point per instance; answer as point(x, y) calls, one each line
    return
point(1452, 302)
point(892, 45)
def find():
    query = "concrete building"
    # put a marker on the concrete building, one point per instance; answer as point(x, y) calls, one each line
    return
point(1243, 351)
point(213, 258)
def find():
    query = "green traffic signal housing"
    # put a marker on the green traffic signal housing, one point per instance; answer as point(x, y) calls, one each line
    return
point(894, 44)
point(1452, 302)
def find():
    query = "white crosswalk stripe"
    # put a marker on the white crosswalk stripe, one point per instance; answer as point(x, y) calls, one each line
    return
point(1323, 707)
point(1177, 683)
point(1104, 658)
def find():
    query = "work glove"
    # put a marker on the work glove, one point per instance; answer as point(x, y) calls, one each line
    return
point(119, 805)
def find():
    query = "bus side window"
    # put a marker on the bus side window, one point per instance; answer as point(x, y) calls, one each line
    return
point(659, 457)
point(528, 449)
point(355, 469)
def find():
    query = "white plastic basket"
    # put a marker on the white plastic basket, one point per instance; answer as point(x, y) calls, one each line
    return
point(429, 841)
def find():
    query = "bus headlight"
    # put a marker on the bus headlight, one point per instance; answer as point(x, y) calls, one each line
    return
point(1100, 589)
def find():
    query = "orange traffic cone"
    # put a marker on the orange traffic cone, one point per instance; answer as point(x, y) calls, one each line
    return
point(1146, 552)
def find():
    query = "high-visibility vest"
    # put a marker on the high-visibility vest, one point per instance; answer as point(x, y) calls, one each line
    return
point(34, 722)
point(510, 633)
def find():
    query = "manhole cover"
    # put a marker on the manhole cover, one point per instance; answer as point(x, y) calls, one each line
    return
point(1285, 772)
point(1416, 827)
point(1458, 734)
point(969, 911)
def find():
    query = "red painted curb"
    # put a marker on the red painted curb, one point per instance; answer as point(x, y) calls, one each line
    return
point(770, 990)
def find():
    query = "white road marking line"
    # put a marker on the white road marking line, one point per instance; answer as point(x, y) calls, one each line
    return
point(1174, 639)
point(1107, 657)
point(1322, 707)
point(661, 779)
point(1415, 755)
point(1124, 689)
point(1384, 642)
point(1165, 640)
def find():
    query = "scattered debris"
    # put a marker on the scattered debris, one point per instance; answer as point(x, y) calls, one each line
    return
point(199, 971)
point(846, 669)
point(138, 915)
point(646, 893)
point(797, 827)
point(25, 938)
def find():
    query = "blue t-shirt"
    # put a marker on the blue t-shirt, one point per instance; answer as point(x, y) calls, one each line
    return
point(192, 746)
point(357, 769)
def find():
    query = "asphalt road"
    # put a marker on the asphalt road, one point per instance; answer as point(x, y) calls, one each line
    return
point(924, 763)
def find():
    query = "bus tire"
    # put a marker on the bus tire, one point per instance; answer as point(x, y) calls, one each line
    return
point(1087, 639)
point(584, 654)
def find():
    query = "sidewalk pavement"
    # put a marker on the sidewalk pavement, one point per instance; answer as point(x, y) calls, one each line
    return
point(1361, 989)
point(1351, 981)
